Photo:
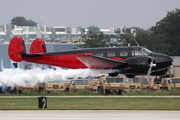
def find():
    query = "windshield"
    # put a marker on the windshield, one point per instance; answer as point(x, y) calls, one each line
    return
point(146, 51)
point(175, 80)
point(84, 82)
point(136, 80)
point(128, 80)
point(79, 82)
point(51, 80)
point(108, 80)
point(119, 80)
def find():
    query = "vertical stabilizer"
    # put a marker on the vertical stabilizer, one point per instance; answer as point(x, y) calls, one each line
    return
point(17, 50)
point(38, 46)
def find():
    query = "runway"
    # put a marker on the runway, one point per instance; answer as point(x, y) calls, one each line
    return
point(89, 115)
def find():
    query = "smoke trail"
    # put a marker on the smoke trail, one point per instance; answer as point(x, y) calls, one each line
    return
point(2, 66)
point(21, 77)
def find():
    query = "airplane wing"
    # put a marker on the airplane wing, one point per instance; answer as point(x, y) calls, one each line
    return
point(97, 62)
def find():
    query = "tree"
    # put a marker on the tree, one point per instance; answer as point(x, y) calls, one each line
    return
point(163, 38)
point(168, 30)
point(94, 39)
point(21, 21)
point(93, 29)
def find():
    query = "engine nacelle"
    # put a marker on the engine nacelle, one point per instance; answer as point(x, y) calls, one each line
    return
point(159, 73)
point(137, 65)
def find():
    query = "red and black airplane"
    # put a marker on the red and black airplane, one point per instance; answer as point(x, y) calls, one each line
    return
point(130, 61)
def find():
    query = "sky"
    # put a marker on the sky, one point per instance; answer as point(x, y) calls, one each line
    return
point(84, 13)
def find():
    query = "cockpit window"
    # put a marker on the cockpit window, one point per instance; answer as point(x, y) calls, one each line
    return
point(146, 51)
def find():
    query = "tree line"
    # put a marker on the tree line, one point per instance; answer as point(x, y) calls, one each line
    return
point(164, 37)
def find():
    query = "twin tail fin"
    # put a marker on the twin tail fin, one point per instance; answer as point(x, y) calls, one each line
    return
point(17, 50)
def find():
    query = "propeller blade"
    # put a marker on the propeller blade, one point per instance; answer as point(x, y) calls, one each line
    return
point(170, 75)
point(150, 68)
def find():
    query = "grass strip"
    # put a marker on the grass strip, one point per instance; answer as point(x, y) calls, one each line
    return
point(92, 104)
point(86, 93)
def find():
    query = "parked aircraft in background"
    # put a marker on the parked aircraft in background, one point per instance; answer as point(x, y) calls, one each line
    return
point(130, 61)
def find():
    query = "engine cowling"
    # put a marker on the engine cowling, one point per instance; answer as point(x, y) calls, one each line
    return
point(159, 73)
point(137, 65)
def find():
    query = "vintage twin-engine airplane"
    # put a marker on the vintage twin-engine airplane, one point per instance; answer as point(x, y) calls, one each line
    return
point(130, 61)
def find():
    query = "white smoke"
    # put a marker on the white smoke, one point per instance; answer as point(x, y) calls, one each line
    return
point(21, 77)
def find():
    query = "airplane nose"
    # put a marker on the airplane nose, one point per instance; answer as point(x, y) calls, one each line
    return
point(169, 59)
point(162, 61)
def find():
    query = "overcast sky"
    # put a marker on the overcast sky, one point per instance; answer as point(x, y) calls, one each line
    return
point(84, 13)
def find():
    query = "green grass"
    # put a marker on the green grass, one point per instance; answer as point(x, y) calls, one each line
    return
point(92, 104)
point(81, 93)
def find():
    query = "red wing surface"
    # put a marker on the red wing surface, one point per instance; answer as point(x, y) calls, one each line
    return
point(96, 62)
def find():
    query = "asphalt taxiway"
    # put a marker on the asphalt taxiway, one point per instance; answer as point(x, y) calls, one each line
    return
point(88, 115)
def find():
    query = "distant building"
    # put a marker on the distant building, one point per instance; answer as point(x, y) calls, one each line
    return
point(57, 34)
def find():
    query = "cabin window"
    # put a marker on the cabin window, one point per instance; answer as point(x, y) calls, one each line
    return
point(124, 53)
point(128, 80)
point(84, 82)
point(137, 53)
point(175, 81)
point(109, 80)
point(119, 80)
point(136, 80)
point(169, 82)
point(51, 80)
point(111, 54)
point(99, 54)
point(75, 82)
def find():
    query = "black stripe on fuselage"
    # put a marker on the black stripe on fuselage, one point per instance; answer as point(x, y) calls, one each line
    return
point(93, 50)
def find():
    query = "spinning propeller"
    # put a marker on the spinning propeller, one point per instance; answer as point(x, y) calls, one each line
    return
point(150, 68)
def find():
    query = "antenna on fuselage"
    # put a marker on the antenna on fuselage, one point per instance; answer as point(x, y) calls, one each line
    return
point(107, 43)
point(133, 32)
point(136, 42)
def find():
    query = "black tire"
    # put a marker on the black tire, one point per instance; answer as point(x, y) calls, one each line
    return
point(130, 76)
point(120, 92)
point(106, 92)
point(19, 91)
point(113, 74)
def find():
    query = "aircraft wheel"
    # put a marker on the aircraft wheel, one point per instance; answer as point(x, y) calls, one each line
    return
point(120, 92)
point(102, 91)
point(113, 74)
point(130, 76)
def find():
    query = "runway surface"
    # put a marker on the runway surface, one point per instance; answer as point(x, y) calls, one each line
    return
point(88, 115)
point(88, 96)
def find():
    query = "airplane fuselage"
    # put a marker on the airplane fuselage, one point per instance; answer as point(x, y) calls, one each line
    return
point(68, 59)
point(130, 61)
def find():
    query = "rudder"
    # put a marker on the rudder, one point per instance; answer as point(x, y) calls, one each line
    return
point(17, 49)
point(38, 46)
